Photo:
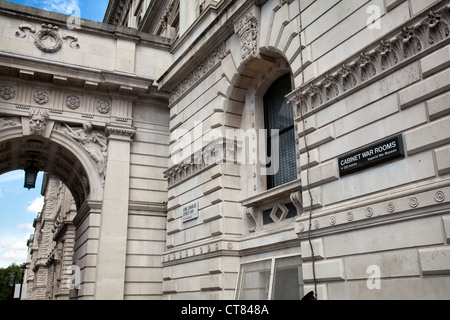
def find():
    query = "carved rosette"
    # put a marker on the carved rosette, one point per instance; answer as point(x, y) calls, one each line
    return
point(73, 102)
point(41, 97)
point(247, 28)
point(103, 106)
point(7, 92)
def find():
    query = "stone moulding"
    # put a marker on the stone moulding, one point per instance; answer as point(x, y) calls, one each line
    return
point(201, 251)
point(375, 213)
point(389, 53)
point(199, 71)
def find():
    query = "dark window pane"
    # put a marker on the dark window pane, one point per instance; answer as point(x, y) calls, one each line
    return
point(279, 116)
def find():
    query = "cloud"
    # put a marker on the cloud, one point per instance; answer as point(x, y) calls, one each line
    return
point(13, 249)
point(15, 255)
point(26, 226)
point(61, 6)
point(36, 206)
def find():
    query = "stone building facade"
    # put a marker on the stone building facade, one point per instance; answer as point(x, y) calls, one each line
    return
point(236, 149)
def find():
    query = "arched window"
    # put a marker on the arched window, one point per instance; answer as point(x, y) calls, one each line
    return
point(279, 123)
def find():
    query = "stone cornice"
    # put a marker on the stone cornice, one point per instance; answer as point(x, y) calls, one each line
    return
point(408, 204)
point(119, 131)
point(401, 47)
point(31, 14)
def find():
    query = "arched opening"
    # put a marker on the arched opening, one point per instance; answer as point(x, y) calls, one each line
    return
point(59, 156)
point(71, 183)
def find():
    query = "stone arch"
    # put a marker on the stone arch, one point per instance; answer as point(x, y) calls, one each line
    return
point(244, 99)
point(58, 155)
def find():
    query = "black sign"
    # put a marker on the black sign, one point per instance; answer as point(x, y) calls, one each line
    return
point(370, 156)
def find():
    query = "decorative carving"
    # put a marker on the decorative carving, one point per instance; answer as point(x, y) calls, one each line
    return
point(410, 41)
point(413, 202)
point(296, 199)
point(332, 220)
point(7, 92)
point(279, 212)
point(252, 215)
point(215, 56)
point(369, 212)
point(47, 39)
point(301, 227)
point(349, 216)
point(73, 102)
point(5, 122)
point(440, 196)
point(316, 224)
point(247, 28)
point(41, 97)
point(93, 142)
point(38, 122)
point(48, 32)
point(103, 106)
point(390, 207)
point(201, 160)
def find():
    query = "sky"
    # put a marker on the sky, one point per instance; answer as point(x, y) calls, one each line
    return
point(18, 208)
point(89, 9)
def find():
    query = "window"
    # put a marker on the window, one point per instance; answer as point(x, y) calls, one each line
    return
point(279, 123)
point(272, 279)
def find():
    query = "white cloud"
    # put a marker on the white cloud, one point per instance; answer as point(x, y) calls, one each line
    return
point(13, 249)
point(61, 6)
point(26, 226)
point(36, 205)
point(15, 255)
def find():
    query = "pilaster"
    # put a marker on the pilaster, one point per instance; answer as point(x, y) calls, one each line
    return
point(110, 278)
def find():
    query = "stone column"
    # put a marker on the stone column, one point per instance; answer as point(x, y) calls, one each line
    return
point(110, 279)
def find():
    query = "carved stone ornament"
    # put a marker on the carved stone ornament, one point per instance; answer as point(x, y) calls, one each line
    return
point(8, 122)
point(38, 122)
point(41, 97)
point(7, 92)
point(207, 64)
point(48, 38)
point(380, 58)
point(94, 143)
point(247, 28)
point(103, 106)
point(73, 102)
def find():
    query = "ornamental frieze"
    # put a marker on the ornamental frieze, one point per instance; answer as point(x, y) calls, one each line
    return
point(48, 38)
point(408, 43)
point(206, 65)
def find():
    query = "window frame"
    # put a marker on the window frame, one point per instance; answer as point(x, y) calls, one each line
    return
point(239, 282)
point(270, 183)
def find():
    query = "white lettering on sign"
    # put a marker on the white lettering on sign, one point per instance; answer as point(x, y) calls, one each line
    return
point(190, 212)
point(372, 155)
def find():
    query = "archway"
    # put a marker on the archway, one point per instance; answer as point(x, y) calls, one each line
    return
point(56, 153)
